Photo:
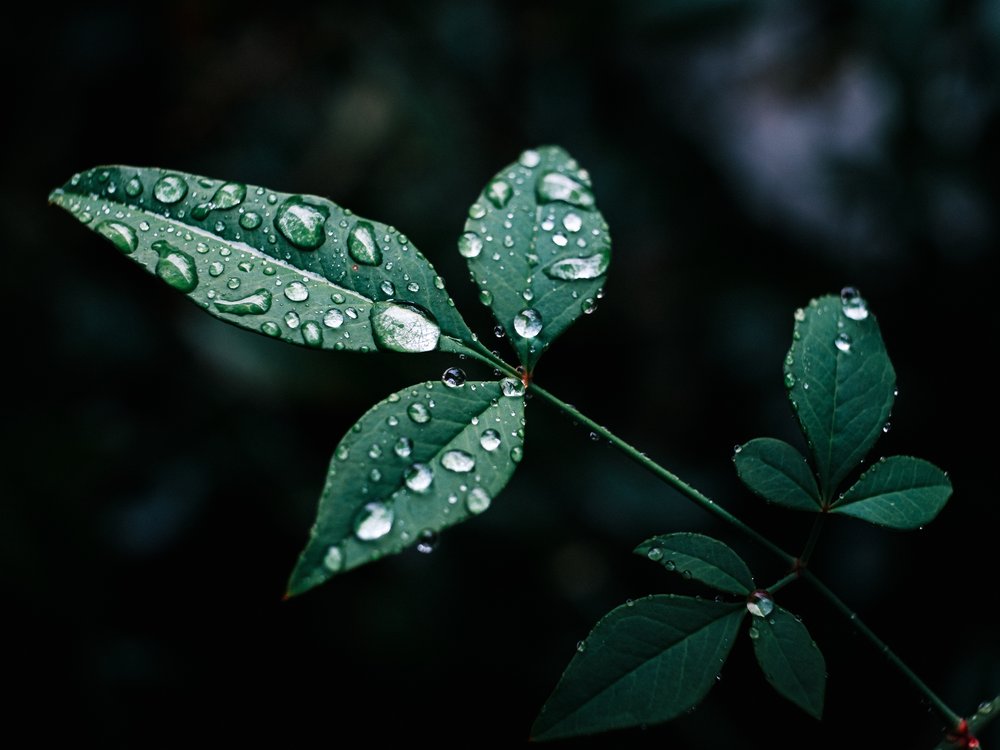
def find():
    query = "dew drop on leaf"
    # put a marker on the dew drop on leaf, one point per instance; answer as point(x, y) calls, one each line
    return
point(470, 245)
point(499, 193)
point(312, 334)
point(418, 412)
point(528, 323)
point(170, 188)
point(843, 342)
point(854, 305)
point(512, 387)
point(404, 327)
point(419, 477)
point(760, 603)
point(427, 541)
point(334, 559)
point(334, 318)
point(477, 500)
point(301, 223)
point(373, 521)
point(250, 220)
point(297, 292)
point(403, 447)
point(121, 235)
point(555, 186)
point(490, 440)
point(252, 304)
point(175, 267)
point(458, 461)
point(577, 269)
point(453, 377)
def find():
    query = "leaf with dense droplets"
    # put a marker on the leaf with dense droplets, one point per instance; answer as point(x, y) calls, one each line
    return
point(538, 248)
point(425, 458)
point(778, 473)
point(645, 662)
point(790, 659)
point(295, 267)
point(901, 492)
point(840, 382)
point(700, 558)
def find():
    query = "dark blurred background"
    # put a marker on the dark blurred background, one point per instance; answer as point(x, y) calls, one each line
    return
point(161, 468)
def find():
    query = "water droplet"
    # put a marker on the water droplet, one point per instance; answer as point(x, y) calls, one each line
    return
point(375, 451)
point(486, 297)
point(577, 269)
point(312, 334)
point(373, 521)
point(529, 158)
point(427, 541)
point(588, 306)
point(654, 554)
point(477, 211)
point(453, 377)
point(560, 239)
point(334, 559)
point(581, 646)
point(843, 342)
point(477, 500)
point(351, 313)
point(333, 319)
point(122, 236)
point(458, 461)
point(499, 193)
point(387, 288)
point(170, 188)
point(375, 475)
point(419, 477)
point(297, 292)
point(292, 319)
point(250, 220)
point(555, 186)
point(572, 222)
point(301, 223)
point(670, 565)
point(528, 323)
point(516, 454)
point(490, 440)
point(133, 187)
point(418, 412)
point(760, 603)
point(270, 328)
point(363, 245)
point(175, 267)
point(754, 633)
point(789, 380)
point(737, 449)
point(470, 245)
point(854, 305)
point(498, 331)
point(253, 304)
point(403, 447)
point(404, 327)
point(229, 195)
point(886, 427)
point(512, 387)
point(800, 315)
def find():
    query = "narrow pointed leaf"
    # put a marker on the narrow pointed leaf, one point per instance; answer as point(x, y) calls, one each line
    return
point(424, 459)
point(790, 659)
point(643, 663)
point(778, 473)
point(901, 492)
point(700, 558)
point(538, 248)
point(841, 383)
point(295, 267)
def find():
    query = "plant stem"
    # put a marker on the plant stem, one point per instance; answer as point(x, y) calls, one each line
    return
point(811, 541)
point(780, 584)
point(946, 712)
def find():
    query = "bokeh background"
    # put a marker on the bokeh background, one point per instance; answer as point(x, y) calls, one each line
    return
point(161, 468)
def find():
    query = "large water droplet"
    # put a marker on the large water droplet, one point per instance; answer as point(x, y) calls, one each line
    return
point(419, 477)
point(250, 220)
point(297, 292)
point(229, 195)
point(312, 334)
point(458, 461)
point(387, 288)
point(555, 186)
point(403, 447)
point(512, 387)
point(427, 541)
point(572, 222)
point(499, 193)
point(576, 269)
point(362, 244)
point(333, 319)
point(528, 323)
point(760, 603)
point(530, 158)
point(854, 305)
point(122, 236)
point(133, 187)
point(490, 440)
point(373, 521)
point(477, 500)
point(470, 245)
point(301, 223)
point(453, 377)
point(253, 304)
point(404, 327)
point(334, 559)
point(655, 553)
point(418, 412)
point(843, 342)
point(175, 267)
point(170, 188)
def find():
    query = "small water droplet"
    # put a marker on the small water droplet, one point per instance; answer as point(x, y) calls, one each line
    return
point(530, 158)
point(292, 319)
point(737, 449)
point(121, 235)
point(334, 559)
point(351, 313)
point(338, 298)
point(486, 297)
point(789, 380)
point(477, 211)
point(363, 245)
point(334, 318)
point(854, 306)
point(655, 553)
point(375, 451)
point(555, 186)
point(418, 412)
point(133, 187)
point(453, 377)
point(760, 603)
point(301, 223)
point(581, 646)
point(800, 315)
point(754, 633)
point(170, 188)
point(403, 327)
point(470, 245)
point(516, 454)
point(403, 447)
point(419, 477)
point(175, 267)
point(499, 193)
point(588, 306)
point(458, 461)
point(312, 334)
point(387, 288)
point(250, 220)
point(373, 521)
point(670, 565)
point(560, 239)
point(528, 323)
point(270, 328)
point(297, 292)
point(843, 342)
point(257, 303)
point(375, 475)
point(427, 541)
point(477, 500)
point(490, 440)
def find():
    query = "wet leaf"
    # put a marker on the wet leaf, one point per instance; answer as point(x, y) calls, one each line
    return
point(778, 473)
point(901, 492)
point(701, 558)
point(790, 659)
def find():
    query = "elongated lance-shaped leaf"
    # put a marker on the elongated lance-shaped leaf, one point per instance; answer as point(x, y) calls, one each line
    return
point(644, 662)
point(538, 248)
point(425, 458)
point(901, 492)
point(295, 267)
point(790, 659)
point(840, 382)
point(701, 558)
point(778, 473)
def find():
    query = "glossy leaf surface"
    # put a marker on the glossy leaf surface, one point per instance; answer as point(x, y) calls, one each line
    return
point(778, 473)
point(901, 492)
point(700, 558)
point(790, 659)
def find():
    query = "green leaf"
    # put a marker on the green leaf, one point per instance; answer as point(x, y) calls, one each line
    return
point(295, 267)
point(702, 558)
point(644, 662)
point(538, 248)
point(790, 659)
point(840, 382)
point(901, 492)
point(778, 473)
point(425, 458)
